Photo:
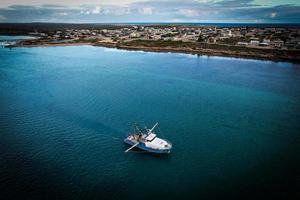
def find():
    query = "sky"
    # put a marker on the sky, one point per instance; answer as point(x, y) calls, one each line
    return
point(174, 11)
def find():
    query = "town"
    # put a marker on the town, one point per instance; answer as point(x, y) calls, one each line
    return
point(277, 43)
point(273, 38)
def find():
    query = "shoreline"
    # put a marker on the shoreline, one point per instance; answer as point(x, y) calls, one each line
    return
point(185, 50)
point(204, 52)
point(51, 45)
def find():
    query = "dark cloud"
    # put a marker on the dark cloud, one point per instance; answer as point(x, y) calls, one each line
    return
point(155, 11)
point(237, 3)
point(53, 6)
point(21, 7)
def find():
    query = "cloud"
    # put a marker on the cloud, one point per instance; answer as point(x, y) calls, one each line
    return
point(155, 11)
point(146, 10)
point(189, 12)
point(2, 18)
point(63, 14)
point(237, 3)
point(97, 10)
point(273, 15)
point(53, 6)
point(21, 7)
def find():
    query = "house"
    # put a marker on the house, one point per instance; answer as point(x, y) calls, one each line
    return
point(254, 42)
point(242, 43)
point(277, 43)
point(265, 42)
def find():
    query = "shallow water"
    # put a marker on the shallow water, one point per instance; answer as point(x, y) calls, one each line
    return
point(234, 124)
point(20, 37)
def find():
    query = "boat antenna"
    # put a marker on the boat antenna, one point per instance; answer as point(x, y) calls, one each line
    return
point(137, 129)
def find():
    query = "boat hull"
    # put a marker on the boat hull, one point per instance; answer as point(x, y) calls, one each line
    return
point(143, 147)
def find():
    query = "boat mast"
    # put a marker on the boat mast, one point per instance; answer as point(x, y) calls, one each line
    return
point(137, 129)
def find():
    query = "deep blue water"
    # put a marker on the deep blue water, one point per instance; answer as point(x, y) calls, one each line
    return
point(234, 125)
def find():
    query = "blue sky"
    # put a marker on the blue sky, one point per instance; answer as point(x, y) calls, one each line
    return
point(106, 11)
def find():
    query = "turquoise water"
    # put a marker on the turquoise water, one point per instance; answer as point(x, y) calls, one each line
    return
point(234, 124)
point(8, 38)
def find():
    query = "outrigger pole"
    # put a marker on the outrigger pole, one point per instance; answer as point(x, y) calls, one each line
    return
point(149, 131)
point(152, 128)
point(132, 147)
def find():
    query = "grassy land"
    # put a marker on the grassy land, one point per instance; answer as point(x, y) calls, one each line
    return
point(229, 49)
point(92, 40)
point(159, 43)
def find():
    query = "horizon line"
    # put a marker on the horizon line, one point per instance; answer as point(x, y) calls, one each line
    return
point(150, 22)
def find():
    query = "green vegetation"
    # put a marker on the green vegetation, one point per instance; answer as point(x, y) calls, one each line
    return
point(169, 35)
point(13, 32)
point(201, 38)
point(158, 43)
point(232, 41)
point(86, 40)
point(225, 49)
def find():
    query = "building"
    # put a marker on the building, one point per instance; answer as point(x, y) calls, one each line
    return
point(254, 42)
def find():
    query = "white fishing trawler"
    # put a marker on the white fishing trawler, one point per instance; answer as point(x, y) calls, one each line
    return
point(147, 140)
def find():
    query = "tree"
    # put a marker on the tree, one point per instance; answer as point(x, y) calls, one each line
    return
point(200, 39)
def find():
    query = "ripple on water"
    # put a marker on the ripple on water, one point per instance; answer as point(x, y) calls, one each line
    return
point(64, 111)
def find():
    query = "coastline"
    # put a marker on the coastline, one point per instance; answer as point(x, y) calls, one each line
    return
point(205, 52)
point(281, 57)
point(50, 45)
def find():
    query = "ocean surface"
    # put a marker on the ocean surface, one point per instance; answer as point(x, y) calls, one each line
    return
point(10, 38)
point(234, 125)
